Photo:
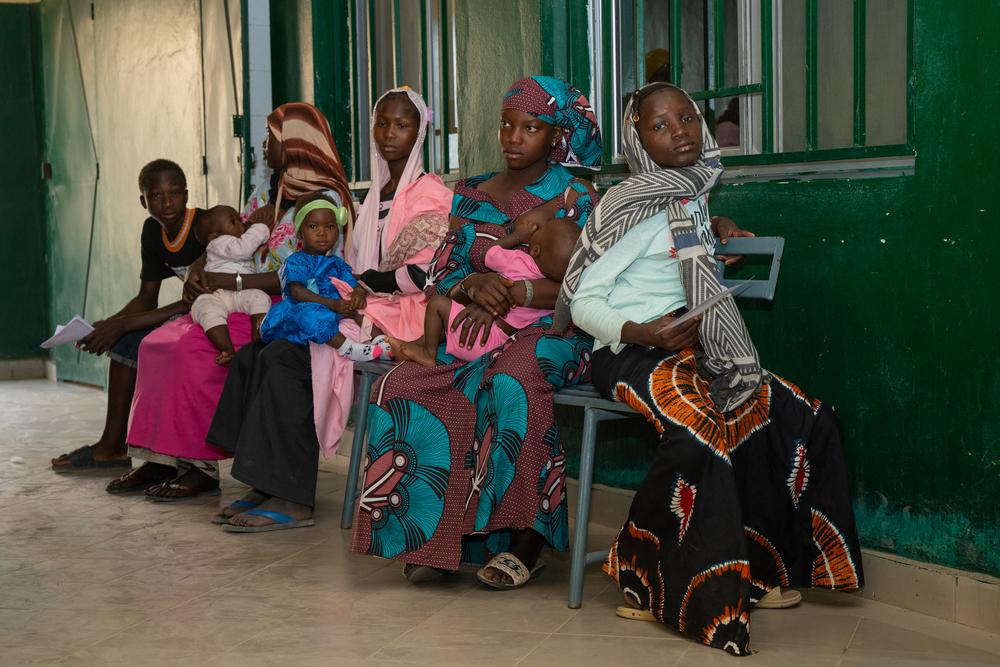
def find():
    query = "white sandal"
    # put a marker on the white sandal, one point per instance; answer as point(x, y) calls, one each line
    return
point(779, 599)
point(633, 614)
point(512, 566)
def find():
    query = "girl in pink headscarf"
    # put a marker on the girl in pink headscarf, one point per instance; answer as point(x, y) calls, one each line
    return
point(403, 218)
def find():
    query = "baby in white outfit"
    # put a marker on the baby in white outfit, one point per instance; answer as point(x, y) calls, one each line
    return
point(229, 250)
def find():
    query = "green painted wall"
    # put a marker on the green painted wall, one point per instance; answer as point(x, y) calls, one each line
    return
point(291, 51)
point(498, 43)
point(23, 222)
point(885, 309)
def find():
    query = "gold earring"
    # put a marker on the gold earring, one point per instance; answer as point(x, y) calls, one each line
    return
point(635, 118)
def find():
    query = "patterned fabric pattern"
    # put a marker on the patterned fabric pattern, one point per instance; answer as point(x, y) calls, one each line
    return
point(506, 468)
point(730, 357)
point(424, 231)
point(725, 513)
point(560, 104)
point(463, 250)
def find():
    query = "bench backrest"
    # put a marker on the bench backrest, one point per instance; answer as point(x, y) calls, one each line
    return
point(755, 245)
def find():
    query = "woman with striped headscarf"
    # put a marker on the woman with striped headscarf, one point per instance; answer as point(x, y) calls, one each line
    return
point(178, 385)
point(464, 460)
point(285, 403)
point(747, 493)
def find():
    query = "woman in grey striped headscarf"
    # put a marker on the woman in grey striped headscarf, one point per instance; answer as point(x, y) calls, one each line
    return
point(747, 492)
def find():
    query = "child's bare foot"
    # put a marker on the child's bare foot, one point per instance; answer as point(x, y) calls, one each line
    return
point(224, 358)
point(411, 351)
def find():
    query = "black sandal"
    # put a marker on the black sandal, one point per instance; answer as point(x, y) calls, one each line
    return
point(82, 459)
point(137, 480)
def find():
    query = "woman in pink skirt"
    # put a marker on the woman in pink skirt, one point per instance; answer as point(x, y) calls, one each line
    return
point(178, 384)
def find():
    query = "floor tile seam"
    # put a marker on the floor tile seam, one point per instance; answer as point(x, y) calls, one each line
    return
point(665, 638)
point(550, 636)
point(181, 603)
point(682, 656)
point(854, 634)
point(537, 646)
point(424, 625)
point(232, 582)
point(927, 624)
point(843, 653)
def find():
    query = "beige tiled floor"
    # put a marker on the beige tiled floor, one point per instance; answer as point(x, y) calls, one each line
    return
point(90, 579)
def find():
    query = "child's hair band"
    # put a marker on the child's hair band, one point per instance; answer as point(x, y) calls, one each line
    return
point(339, 212)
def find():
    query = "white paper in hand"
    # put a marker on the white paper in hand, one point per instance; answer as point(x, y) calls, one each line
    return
point(71, 332)
point(706, 304)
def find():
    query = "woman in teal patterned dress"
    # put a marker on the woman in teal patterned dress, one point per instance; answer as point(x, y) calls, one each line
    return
point(464, 460)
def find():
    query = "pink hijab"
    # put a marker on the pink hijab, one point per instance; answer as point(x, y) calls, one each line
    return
point(364, 252)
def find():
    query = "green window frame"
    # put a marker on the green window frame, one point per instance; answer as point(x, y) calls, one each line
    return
point(355, 62)
point(566, 53)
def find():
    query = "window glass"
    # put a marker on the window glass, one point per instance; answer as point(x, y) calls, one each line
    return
point(885, 82)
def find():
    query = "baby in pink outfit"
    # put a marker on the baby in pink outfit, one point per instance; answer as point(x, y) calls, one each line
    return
point(550, 246)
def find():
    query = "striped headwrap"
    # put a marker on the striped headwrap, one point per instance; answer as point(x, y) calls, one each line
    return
point(729, 356)
point(560, 104)
point(311, 160)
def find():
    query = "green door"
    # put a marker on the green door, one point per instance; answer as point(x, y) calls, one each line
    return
point(68, 146)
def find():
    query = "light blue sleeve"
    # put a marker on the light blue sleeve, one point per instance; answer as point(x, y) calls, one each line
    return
point(590, 308)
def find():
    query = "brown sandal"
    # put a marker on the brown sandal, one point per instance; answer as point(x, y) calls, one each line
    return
point(172, 491)
point(138, 480)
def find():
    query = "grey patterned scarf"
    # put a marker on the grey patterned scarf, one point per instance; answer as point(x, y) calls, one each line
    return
point(728, 355)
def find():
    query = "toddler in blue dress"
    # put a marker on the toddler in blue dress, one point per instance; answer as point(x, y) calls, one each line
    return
point(312, 308)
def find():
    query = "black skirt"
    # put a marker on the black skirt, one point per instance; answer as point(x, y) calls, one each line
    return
point(265, 420)
point(734, 504)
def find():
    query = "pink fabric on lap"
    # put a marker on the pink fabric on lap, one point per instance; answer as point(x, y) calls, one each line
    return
point(177, 388)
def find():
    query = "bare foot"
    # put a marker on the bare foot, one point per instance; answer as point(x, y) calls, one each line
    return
point(254, 496)
point(411, 351)
point(224, 358)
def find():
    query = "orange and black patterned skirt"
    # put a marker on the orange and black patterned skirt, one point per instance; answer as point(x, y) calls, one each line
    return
point(733, 504)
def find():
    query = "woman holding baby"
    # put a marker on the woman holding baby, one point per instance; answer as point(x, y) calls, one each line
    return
point(464, 459)
point(178, 383)
point(284, 402)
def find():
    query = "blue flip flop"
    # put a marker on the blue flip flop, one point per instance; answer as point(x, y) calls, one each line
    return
point(281, 521)
point(242, 505)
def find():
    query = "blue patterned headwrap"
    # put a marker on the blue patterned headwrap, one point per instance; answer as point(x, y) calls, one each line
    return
point(558, 103)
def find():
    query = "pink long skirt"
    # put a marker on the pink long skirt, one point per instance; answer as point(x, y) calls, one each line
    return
point(177, 388)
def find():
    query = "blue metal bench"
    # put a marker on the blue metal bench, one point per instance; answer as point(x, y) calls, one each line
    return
point(595, 410)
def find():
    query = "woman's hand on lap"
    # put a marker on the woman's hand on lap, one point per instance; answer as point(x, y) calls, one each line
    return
point(471, 322)
point(724, 228)
point(105, 334)
point(490, 291)
point(673, 339)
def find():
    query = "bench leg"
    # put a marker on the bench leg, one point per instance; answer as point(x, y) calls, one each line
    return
point(360, 430)
point(578, 561)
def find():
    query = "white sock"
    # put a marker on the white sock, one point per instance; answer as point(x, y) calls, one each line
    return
point(356, 351)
